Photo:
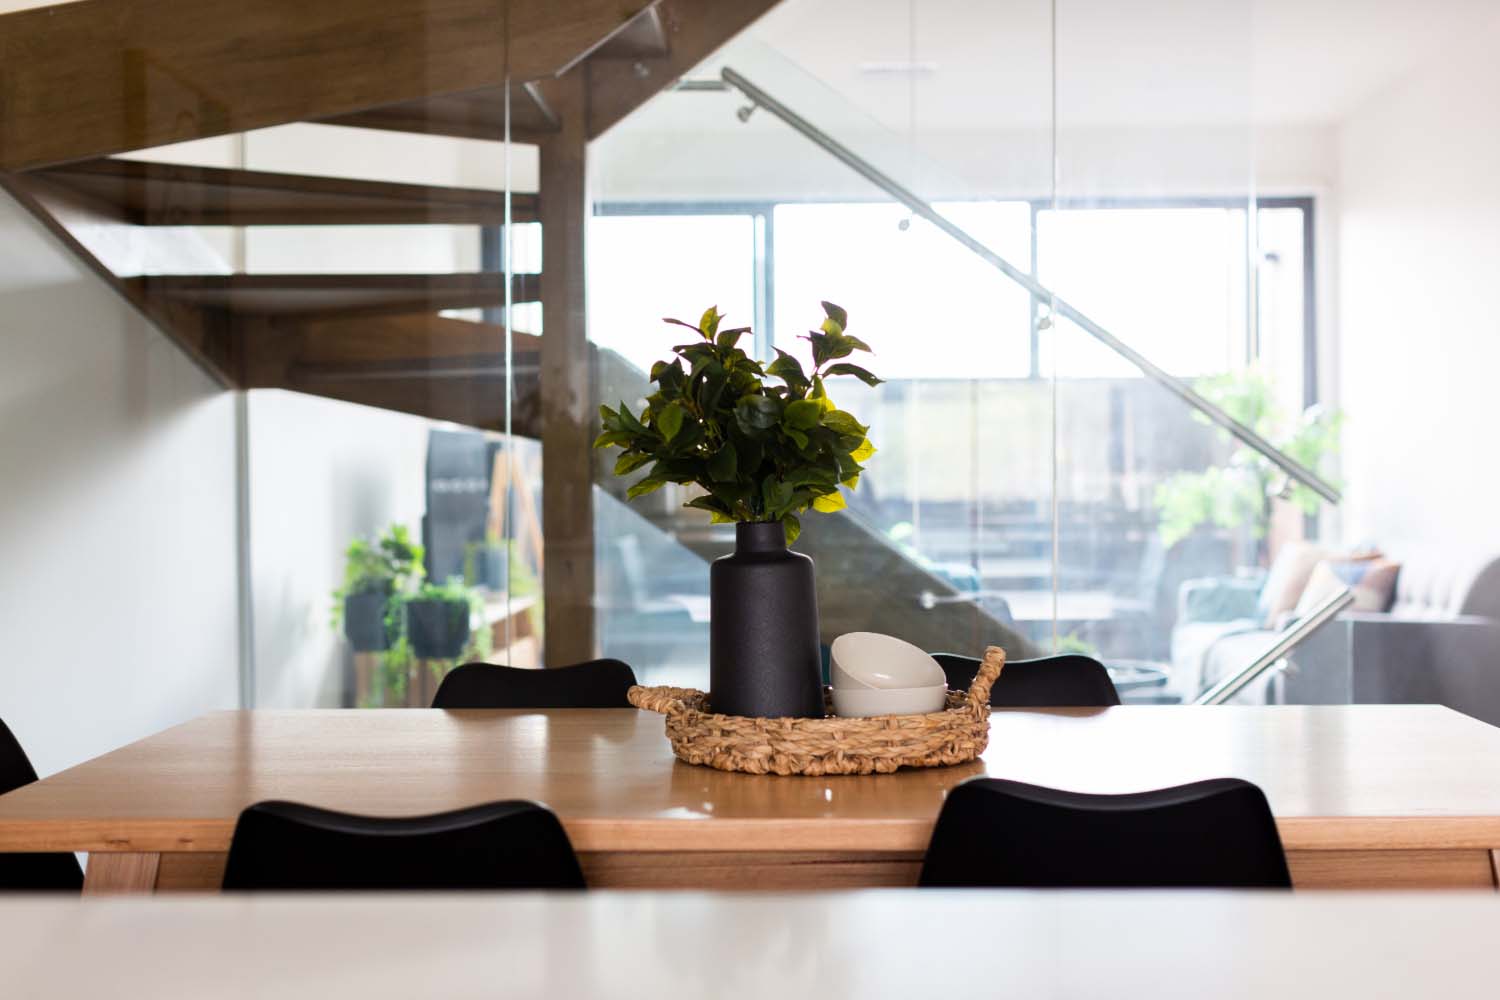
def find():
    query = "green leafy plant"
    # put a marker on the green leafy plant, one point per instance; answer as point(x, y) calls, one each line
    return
point(390, 564)
point(759, 451)
point(1241, 492)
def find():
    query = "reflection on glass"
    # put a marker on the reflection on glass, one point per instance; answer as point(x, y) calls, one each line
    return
point(930, 308)
point(644, 267)
point(1169, 280)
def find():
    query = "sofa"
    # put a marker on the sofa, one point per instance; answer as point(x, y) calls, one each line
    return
point(1437, 642)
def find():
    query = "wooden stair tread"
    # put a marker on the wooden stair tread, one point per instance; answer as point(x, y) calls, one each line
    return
point(476, 400)
point(341, 294)
point(480, 114)
point(96, 77)
point(169, 194)
point(471, 114)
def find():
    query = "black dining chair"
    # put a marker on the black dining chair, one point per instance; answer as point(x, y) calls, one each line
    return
point(31, 872)
point(594, 684)
point(286, 846)
point(1216, 834)
point(1069, 680)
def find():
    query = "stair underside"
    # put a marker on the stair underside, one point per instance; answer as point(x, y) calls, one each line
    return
point(335, 294)
point(168, 194)
point(428, 365)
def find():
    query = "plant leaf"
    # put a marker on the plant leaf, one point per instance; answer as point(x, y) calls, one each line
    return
point(792, 526)
point(628, 420)
point(678, 322)
point(821, 347)
point(614, 439)
point(836, 313)
point(728, 338)
point(789, 370)
point(669, 422)
point(864, 451)
point(860, 373)
point(829, 502)
point(756, 413)
point(803, 414)
point(797, 436)
point(776, 493)
point(629, 462)
point(710, 504)
point(844, 424)
point(724, 466)
point(709, 324)
point(648, 485)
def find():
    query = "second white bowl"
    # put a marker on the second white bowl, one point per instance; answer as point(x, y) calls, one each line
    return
point(873, 660)
point(865, 702)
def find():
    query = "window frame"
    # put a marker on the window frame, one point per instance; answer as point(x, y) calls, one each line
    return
point(763, 212)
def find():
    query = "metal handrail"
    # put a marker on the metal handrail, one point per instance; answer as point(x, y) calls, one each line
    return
point(924, 209)
point(1295, 636)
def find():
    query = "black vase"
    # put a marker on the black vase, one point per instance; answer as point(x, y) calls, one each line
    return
point(438, 629)
point(763, 656)
point(364, 621)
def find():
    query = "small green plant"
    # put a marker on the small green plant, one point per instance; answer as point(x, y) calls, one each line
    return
point(1240, 493)
point(759, 451)
point(390, 564)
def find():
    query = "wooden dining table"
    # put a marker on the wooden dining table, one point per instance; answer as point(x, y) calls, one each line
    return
point(1378, 796)
point(867, 945)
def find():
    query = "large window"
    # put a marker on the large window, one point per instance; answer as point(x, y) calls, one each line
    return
point(646, 266)
point(908, 286)
point(1169, 278)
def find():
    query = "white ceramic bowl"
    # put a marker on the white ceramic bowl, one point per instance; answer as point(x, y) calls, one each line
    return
point(864, 702)
point(881, 662)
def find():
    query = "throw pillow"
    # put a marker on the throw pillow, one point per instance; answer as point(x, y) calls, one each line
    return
point(1288, 578)
point(1373, 582)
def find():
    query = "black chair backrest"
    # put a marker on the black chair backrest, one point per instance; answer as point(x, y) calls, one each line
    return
point(30, 872)
point(285, 846)
point(595, 684)
point(1005, 834)
point(1070, 680)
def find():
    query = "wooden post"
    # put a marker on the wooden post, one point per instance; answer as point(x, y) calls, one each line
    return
point(567, 393)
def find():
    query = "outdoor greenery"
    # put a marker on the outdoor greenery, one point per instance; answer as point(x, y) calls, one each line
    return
point(1240, 493)
point(759, 451)
point(390, 564)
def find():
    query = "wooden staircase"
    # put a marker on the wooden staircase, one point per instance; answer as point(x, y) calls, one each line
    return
point(84, 81)
point(96, 77)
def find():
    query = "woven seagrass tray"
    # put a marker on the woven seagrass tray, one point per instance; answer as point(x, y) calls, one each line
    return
point(834, 745)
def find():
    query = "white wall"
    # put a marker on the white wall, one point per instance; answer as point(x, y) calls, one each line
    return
point(1419, 237)
point(117, 522)
point(322, 473)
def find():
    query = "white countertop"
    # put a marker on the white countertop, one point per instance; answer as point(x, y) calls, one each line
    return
point(910, 944)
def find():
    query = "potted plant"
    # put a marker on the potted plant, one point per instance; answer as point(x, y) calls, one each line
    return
point(439, 629)
point(760, 455)
point(438, 619)
point(374, 572)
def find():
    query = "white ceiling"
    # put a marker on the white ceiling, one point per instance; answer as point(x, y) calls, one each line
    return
point(988, 63)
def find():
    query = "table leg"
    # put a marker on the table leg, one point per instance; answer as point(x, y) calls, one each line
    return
point(115, 872)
